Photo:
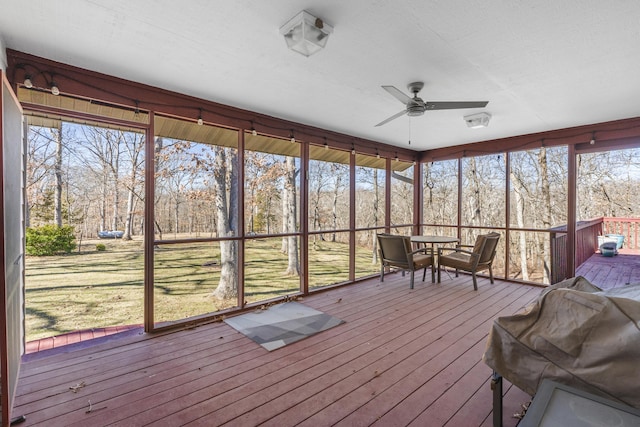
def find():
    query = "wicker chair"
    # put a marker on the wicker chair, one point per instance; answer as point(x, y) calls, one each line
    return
point(479, 258)
point(395, 251)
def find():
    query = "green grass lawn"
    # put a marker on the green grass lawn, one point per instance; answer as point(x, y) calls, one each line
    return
point(92, 289)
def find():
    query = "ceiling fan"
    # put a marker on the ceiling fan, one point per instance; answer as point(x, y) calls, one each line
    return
point(416, 106)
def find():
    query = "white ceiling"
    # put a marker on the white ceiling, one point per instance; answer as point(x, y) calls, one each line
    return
point(541, 64)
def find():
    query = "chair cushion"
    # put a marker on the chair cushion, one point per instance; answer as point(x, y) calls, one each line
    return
point(456, 260)
point(421, 261)
point(479, 243)
point(491, 241)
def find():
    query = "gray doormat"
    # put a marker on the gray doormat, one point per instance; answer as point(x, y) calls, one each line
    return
point(282, 324)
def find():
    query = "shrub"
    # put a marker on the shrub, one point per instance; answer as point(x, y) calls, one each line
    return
point(101, 247)
point(50, 240)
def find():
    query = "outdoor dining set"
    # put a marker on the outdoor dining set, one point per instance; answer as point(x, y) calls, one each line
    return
point(397, 251)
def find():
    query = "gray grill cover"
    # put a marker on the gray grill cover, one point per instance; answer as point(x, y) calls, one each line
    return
point(576, 334)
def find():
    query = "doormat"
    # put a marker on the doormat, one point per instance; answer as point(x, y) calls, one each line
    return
point(282, 324)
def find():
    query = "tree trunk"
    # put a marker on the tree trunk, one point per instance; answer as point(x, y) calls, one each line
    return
point(158, 147)
point(57, 213)
point(293, 266)
point(227, 220)
point(176, 215)
point(316, 213)
point(335, 202)
point(103, 203)
point(129, 220)
point(135, 149)
point(285, 214)
point(522, 236)
point(546, 209)
point(475, 207)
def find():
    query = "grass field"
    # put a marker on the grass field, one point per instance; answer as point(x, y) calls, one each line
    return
point(92, 289)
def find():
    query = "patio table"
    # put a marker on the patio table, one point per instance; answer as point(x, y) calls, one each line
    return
point(433, 240)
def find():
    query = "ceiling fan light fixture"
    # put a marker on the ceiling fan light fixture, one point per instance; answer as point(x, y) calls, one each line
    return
point(415, 110)
point(477, 121)
point(306, 34)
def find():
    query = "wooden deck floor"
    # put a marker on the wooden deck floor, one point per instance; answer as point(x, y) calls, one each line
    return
point(612, 272)
point(403, 357)
point(76, 337)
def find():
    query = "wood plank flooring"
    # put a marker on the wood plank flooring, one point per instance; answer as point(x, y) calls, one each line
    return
point(612, 272)
point(76, 337)
point(403, 357)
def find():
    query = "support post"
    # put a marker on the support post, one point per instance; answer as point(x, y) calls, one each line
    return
point(496, 387)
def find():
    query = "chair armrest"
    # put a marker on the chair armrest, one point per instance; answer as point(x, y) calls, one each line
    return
point(427, 251)
point(472, 254)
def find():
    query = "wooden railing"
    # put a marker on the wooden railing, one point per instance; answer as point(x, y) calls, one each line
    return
point(587, 233)
point(627, 227)
point(558, 256)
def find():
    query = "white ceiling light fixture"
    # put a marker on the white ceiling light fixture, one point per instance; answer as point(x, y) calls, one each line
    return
point(477, 121)
point(306, 34)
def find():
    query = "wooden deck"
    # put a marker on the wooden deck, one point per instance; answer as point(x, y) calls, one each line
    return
point(76, 337)
point(403, 357)
point(612, 272)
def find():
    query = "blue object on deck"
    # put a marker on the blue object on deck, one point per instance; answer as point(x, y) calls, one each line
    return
point(608, 249)
point(618, 237)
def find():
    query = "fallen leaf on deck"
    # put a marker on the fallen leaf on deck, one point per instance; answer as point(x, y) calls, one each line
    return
point(78, 386)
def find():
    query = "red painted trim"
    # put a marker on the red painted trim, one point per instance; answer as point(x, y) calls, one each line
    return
point(88, 84)
point(417, 198)
point(507, 199)
point(571, 211)
point(352, 217)
point(4, 344)
point(241, 224)
point(149, 225)
point(387, 196)
point(304, 218)
point(617, 131)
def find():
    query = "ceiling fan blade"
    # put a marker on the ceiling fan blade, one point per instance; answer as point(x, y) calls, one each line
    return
point(395, 116)
point(451, 105)
point(397, 94)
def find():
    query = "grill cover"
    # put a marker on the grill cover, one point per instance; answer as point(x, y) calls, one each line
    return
point(576, 334)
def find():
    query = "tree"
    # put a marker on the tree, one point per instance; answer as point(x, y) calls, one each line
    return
point(402, 185)
point(41, 154)
point(376, 204)
point(178, 167)
point(263, 190)
point(57, 212)
point(337, 171)
point(100, 151)
point(225, 173)
point(319, 177)
point(545, 190)
point(518, 191)
point(134, 147)
point(368, 209)
point(290, 215)
point(474, 205)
